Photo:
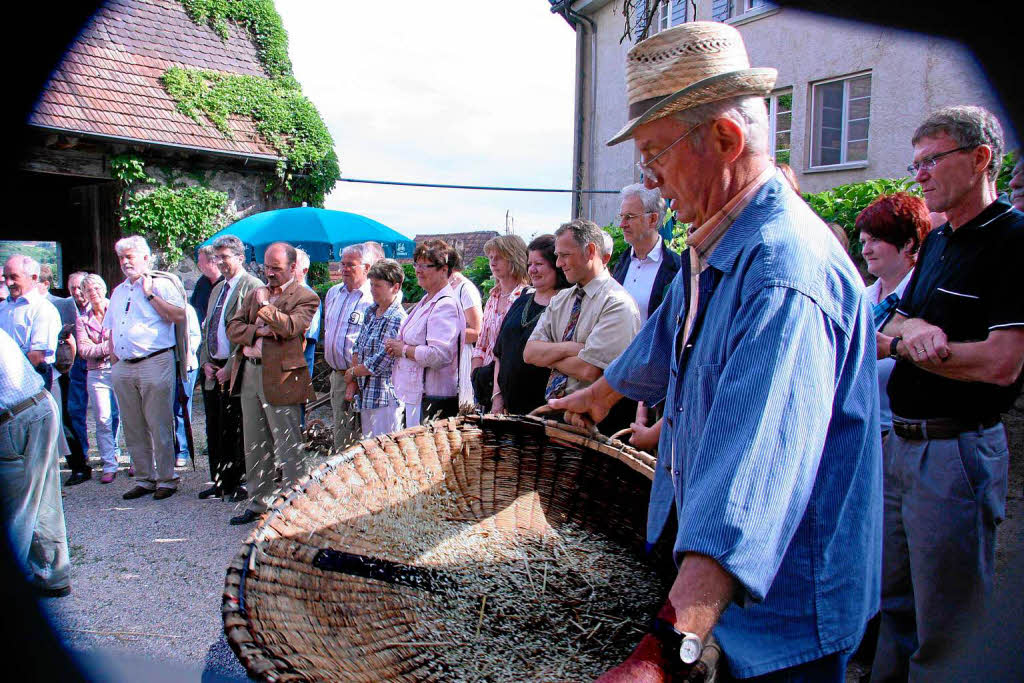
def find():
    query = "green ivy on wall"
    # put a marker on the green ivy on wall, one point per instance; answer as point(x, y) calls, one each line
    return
point(173, 218)
point(283, 115)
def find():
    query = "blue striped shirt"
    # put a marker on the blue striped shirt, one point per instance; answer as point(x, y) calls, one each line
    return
point(770, 455)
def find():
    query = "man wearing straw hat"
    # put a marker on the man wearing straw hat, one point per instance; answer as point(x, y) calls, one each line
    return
point(763, 350)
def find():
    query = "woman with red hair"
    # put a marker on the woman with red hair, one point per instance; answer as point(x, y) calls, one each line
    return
point(891, 229)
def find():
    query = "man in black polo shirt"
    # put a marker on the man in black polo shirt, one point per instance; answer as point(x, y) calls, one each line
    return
point(958, 337)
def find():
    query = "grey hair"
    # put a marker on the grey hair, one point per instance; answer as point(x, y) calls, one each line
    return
point(29, 266)
point(746, 111)
point(79, 274)
point(97, 281)
point(375, 249)
point(301, 259)
point(650, 199)
point(583, 232)
point(366, 253)
point(46, 274)
point(607, 244)
point(132, 243)
point(209, 251)
point(231, 243)
point(969, 126)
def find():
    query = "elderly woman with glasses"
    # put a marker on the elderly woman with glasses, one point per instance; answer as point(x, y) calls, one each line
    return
point(426, 372)
point(95, 346)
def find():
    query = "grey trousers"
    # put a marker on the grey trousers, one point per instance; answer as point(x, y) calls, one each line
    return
point(271, 436)
point(346, 418)
point(30, 494)
point(943, 501)
point(145, 399)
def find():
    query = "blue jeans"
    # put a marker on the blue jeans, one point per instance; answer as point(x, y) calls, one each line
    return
point(179, 418)
point(828, 669)
point(78, 402)
point(309, 353)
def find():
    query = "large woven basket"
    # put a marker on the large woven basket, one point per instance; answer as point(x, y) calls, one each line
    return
point(289, 621)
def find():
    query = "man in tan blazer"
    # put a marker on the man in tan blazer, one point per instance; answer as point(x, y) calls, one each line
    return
point(269, 373)
point(216, 355)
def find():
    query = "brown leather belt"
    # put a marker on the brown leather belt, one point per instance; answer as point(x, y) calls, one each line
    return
point(9, 414)
point(147, 356)
point(942, 428)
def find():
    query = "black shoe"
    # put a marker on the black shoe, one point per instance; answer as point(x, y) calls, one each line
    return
point(137, 492)
point(246, 517)
point(78, 478)
point(52, 592)
point(212, 492)
point(163, 492)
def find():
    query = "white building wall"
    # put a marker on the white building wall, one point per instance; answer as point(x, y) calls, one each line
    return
point(912, 75)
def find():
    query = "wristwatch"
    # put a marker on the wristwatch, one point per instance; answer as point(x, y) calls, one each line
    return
point(892, 347)
point(150, 296)
point(677, 646)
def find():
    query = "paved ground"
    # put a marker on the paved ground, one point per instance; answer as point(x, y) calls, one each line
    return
point(147, 575)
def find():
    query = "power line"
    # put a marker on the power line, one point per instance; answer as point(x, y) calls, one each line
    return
point(473, 187)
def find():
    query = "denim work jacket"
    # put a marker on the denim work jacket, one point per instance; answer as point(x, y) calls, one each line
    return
point(770, 452)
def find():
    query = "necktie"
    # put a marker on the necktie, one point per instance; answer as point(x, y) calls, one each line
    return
point(557, 381)
point(218, 311)
point(884, 309)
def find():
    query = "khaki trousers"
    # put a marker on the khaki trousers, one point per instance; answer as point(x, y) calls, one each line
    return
point(145, 398)
point(30, 494)
point(272, 437)
point(346, 417)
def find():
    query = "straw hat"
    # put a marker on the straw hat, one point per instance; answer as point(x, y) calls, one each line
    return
point(688, 65)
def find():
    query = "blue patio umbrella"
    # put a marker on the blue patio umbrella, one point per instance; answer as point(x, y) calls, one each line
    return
point(322, 233)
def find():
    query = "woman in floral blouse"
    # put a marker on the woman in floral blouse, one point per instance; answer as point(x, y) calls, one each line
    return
point(506, 256)
point(380, 411)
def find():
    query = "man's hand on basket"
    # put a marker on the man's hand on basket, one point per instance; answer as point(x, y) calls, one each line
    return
point(645, 665)
point(587, 406)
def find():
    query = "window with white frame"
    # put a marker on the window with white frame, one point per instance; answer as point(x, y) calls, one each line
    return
point(841, 111)
point(669, 14)
point(780, 119)
point(749, 5)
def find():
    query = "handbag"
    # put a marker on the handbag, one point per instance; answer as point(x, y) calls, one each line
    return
point(66, 349)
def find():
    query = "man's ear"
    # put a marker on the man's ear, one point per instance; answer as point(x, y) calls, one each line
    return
point(726, 139)
point(982, 158)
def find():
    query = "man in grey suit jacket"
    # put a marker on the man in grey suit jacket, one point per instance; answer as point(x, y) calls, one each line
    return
point(224, 412)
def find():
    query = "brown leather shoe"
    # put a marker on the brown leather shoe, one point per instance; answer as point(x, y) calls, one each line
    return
point(137, 492)
point(164, 492)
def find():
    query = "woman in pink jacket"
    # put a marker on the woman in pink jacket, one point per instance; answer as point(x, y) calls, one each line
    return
point(95, 347)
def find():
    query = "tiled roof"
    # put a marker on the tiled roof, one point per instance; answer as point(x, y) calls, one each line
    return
point(471, 244)
point(109, 80)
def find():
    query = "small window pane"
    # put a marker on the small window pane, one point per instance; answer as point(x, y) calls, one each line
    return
point(782, 140)
point(857, 151)
point(859, 108)
point(860, 87)
point(786, 102)
point(858, 130)
point(784, 121)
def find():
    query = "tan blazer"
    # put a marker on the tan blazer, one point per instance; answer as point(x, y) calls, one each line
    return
point(285, 374)
point(246, 283)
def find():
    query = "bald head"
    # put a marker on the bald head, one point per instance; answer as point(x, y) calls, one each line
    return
point(279, 261)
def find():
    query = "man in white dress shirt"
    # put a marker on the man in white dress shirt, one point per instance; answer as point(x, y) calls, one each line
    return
point(141, 316)
point(345, 309)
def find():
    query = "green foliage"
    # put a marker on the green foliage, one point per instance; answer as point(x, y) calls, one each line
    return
point(1006, 172)
point(283, 115)
point(175, 219)
point(285, 118)
point(411, 290)
point(128, 168)
point(842, 204)
point(321, 288)
point(258, 17)
point(319, 274)
point(479, 273)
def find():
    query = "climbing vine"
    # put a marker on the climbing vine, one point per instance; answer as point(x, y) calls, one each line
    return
point(172, 217)
point(285, 118)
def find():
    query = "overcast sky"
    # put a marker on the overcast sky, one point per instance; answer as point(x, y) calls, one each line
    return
point(457, 91)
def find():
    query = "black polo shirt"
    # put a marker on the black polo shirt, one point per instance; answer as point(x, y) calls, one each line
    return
point(967, 282)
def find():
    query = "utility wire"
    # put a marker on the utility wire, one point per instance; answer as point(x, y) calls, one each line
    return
point(474, 187)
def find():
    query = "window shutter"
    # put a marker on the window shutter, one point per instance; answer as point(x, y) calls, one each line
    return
point(640, 10)
point(679, 12)
point(721, 9)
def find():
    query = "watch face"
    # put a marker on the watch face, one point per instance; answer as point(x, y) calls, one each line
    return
point(689, 651)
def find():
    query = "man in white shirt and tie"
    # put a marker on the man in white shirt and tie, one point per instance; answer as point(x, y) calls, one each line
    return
point(142, 313)
point(223, 411)
point(344, 311)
